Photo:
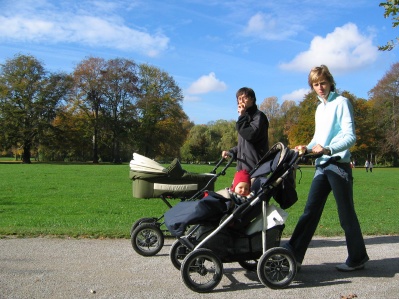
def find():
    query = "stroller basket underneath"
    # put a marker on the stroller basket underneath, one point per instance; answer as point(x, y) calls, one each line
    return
point(152, 180)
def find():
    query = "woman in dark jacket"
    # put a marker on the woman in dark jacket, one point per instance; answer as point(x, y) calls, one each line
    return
point(252, 127)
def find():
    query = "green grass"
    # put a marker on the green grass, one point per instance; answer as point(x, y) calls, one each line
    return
point(96, 200)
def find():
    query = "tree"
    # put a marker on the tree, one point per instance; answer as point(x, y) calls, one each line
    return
point(223, 136)
point(288, 111)
point(71, 138)
point(198, 143)
point(162, 121)
point(302, 128)
point(391, 9)
point(271, 108)
point(89, 76)
point(120, 91)
point(29, 97)
point(366, 129)
point(385, 99)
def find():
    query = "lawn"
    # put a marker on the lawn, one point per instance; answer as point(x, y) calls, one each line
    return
point(85, 200)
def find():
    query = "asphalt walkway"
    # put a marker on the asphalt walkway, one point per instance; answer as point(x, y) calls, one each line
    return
point(85, 268)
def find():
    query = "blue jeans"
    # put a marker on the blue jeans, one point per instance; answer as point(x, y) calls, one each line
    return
point(335, 177)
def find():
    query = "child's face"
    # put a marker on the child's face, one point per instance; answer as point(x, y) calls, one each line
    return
point(242, 188)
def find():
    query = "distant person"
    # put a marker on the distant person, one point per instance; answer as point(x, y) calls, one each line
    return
point(367, 165)
point(333, 137)
point(371, 166)
point(252, 127)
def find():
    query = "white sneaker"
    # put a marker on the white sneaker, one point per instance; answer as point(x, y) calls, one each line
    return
point(345, 268)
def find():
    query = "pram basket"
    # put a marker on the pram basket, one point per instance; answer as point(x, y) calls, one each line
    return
point(152, 180)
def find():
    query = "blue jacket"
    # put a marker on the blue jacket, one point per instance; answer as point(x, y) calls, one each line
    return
point(335, 128)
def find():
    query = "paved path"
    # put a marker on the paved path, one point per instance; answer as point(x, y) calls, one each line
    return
point(71, 268)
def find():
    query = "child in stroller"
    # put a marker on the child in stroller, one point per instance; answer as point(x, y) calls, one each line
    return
point(239, 190)
point(251, 231)
point(211, 206)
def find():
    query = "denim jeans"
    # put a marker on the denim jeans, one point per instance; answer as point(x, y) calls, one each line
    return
point(335, 177)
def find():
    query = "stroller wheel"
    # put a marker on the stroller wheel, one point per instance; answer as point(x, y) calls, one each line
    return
point(249, 265)
point(147, 239)
point(141, 221)
point(201, 270)
point(277, 268)
point(177, 254)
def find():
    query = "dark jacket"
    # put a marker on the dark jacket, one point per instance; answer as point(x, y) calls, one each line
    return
point(253, 141)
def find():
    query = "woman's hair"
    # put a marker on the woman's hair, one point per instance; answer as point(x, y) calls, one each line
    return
point(246, 91)
point(318, 73)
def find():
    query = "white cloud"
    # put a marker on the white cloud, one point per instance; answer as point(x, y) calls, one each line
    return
point(97, 28)
point(191, 98)
point(342, 50)
point(268, 27)
point(205, 84)
point(297, 95)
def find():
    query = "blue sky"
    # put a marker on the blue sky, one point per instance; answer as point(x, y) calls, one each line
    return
point(211, 48)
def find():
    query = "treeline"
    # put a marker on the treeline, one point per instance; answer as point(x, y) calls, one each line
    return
point(107, 109)
point(103, 111)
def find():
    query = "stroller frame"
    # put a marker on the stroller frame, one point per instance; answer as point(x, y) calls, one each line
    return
point(202, 268)
point(147, 236)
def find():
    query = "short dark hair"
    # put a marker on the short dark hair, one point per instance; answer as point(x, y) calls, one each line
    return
point(246, 91)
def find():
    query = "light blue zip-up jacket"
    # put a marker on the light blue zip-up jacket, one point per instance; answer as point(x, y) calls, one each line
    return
point(335, 128)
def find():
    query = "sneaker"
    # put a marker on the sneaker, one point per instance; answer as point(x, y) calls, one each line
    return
point(345, 268)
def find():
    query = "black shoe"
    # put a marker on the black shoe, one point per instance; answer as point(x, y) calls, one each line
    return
point(345, 268)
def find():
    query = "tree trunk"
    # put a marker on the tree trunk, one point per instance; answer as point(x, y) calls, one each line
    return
point(26, 153)
point(95, 147)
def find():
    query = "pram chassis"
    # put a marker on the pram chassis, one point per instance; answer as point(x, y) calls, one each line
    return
point(202, 269)
point(147, 237)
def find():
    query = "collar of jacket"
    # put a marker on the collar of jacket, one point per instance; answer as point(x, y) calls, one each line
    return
point(251, 110)
point(331, 96)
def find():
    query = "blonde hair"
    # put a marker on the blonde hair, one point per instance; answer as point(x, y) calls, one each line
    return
point(320, 72)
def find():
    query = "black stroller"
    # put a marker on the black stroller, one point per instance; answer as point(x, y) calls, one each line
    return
point(249, 235)
point(151, 180)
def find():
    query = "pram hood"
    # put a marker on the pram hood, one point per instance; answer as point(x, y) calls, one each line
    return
point(276, 172)
point(143, 164)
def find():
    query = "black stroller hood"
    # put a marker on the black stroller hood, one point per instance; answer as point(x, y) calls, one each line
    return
point(277, 169)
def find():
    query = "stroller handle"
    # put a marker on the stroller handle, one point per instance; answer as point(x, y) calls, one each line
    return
point(223, 172)
point(305, 157)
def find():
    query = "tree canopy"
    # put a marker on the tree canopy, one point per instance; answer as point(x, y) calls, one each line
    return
point(391, 10)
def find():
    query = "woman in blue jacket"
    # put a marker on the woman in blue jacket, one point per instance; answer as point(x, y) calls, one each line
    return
point(334, 136)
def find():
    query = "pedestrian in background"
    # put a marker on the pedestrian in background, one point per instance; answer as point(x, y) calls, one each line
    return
point(367, 165)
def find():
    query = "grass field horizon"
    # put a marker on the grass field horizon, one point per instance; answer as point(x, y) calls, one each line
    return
point(95, 201)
